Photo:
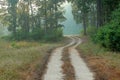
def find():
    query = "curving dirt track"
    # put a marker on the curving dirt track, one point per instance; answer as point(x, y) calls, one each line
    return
point(54, 69)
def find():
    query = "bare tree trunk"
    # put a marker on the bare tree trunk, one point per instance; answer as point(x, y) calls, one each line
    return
point(45, 17)
point(14, 15)
point(84, 17)
point(84, 24)
point(30, 4)
point(93, 16)
point(56, 22)
point(99, 13)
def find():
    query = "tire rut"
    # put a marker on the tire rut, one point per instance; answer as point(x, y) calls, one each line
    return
point(68, 70)
point(82, 72)
point(54, 70)
point(66, 64)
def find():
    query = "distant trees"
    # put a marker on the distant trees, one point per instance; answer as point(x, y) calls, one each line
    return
point(12, 6)
point(51, 14)
point(100, 20)
point(83, 9)
point(94, 12)
point(34, 19)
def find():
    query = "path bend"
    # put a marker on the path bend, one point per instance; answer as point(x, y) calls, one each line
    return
point(54, 66)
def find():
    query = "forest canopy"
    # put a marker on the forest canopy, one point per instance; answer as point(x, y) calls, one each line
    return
point(34, 19)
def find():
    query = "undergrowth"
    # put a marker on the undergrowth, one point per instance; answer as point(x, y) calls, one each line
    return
point(106, 64)
point(17, 57)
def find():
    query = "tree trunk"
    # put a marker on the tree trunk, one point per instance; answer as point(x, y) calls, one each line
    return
point(30, 4)
point(56, 22)
point(84, 24)
point(84, 17)
point(45, 17)
point(93, 16)
point(99, 13)
point(14, 21)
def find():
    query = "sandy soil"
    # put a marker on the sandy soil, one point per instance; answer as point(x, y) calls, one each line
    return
point(82, 72)
point(54, 70)
point(54, 67)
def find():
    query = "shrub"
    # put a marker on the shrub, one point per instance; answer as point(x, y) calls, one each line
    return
point(92, 32)
point(109, 35)
point(20, 35)
point(54, 35)
point(37, 34)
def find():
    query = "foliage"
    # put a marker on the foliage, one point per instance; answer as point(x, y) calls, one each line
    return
point(84, 12)
point(109, 35)
point(109, 6)
point(92, 31)
point(37, 34)
point(27, 23)
point(54, 35)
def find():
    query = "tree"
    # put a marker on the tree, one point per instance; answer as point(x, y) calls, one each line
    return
point(25, 21)
point(13, 16)
point(99, 13)
point(84, 7)
point(104, 10)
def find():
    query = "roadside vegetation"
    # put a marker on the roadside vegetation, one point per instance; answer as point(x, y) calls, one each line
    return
point(18, 59)
point(109, 35)
point(33, 25)
point(105, 64)
point(101, 45)
point(102, 17)
point(100, 49)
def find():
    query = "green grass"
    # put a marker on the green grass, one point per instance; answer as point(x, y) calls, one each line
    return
point(88, 48)
point(16, 57)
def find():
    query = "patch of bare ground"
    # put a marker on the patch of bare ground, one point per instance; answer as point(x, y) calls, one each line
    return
point(100, 65)
point(67, 67)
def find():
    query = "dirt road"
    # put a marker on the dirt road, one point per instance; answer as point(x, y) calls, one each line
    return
point(54, 69)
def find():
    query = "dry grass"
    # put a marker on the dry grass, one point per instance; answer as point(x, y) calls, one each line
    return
point(68, 69)
point(17, 59)
point(105, 64)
